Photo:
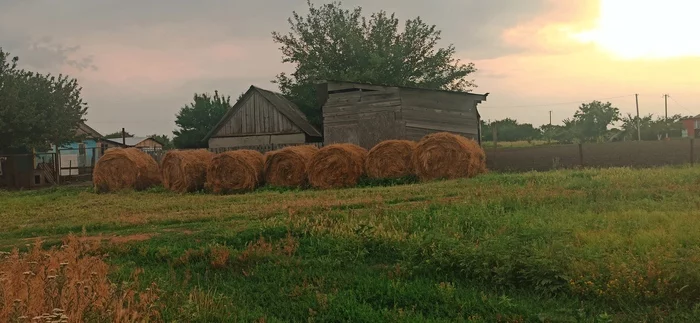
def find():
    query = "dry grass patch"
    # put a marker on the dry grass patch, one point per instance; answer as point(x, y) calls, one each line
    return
point(69, 284)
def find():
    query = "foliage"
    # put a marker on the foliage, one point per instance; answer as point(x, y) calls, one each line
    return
point(118, 134)
point(163, 139)
point(591, 121)
point(510, 130)
point(37, 110)
point(333, 43)
point(198, 118)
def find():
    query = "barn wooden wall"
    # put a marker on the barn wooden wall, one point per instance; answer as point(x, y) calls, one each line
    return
point(257, 116)
point(363, 118)
point(428, 112)
point(368, 117)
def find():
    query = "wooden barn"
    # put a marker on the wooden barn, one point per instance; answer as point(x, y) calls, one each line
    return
point(365, 114)
point(262, 118)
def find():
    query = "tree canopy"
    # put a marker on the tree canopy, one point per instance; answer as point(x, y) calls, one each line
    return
point(37, 110)
point(118, 134)
point(196, 119)
point(331, 42)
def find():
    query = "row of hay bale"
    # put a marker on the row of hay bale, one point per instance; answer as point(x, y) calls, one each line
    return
point(435, 156)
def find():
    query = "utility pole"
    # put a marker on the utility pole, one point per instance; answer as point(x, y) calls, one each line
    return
point(549, 138)
point(639, 131)
point(666, 113)
point(123, 137)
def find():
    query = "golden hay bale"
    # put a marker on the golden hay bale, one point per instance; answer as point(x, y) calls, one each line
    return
point(445, 155)
point(235, 171)
point(185, 170)
point(390, 159)
point(336, 166)
point(128, 168)
point(478, 158)
point(286, 167)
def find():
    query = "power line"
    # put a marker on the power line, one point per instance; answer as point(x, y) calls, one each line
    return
point(561, 103)
point(680, 105)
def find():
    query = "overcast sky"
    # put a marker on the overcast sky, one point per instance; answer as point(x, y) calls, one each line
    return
point(140, 61)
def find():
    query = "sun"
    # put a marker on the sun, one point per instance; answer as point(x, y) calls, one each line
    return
point(639, 29)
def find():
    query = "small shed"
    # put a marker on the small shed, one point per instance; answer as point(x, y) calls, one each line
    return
point(260, 118)
point(365, 114)
point(145, 143)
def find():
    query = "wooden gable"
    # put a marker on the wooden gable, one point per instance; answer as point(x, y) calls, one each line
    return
point(255, 115)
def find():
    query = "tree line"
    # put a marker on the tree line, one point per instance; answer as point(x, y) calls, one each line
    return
point(329, 42)
point(592, 122)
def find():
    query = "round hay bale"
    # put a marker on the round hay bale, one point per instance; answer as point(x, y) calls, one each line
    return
point(185, 171)
point(235, 171)
point(478, 158)
point(390, 159)
point(337, 166)
point(129, 168)
point(445, 155)
point(286, 167)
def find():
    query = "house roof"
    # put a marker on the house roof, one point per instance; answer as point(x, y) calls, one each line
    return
point(484, 96)
point(279, 102)
point(693, 118)
point(88, 130)
point(131, 141)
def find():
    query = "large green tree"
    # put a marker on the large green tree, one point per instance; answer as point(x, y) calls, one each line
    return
point(196, 119)
point(591, 121)
point(37, 110)
point(331, 42)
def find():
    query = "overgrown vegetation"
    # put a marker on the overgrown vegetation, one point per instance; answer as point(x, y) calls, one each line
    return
point(566, 246)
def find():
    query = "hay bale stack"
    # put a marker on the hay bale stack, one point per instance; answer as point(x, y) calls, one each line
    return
point(286, 167)
point(128, 168)
point(445, 155)
point(337, 166)
point(390, 159)
point(235, 171)
point(185, 171)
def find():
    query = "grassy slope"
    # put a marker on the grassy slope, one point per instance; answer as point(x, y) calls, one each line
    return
point(562, 246)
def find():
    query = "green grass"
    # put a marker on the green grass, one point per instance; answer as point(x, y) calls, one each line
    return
point(616, 245)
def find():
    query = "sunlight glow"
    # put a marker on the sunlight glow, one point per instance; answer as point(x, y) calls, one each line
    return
point(633, 29)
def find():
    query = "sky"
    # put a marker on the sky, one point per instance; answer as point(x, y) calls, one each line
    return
point(140, 61)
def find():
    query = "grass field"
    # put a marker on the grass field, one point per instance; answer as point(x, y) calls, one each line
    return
point(615, 245)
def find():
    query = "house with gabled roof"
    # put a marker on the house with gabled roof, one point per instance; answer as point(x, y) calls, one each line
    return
point(260, 118)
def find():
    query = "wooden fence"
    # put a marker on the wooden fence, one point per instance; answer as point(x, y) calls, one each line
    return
point(637, 154)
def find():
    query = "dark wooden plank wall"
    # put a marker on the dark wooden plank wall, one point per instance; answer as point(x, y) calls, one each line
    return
point(257, 116)
point(363, 118)
point(428, 112)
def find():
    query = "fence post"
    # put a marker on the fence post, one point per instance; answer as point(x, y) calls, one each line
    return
point(58, 166)
point(692, 152)
point(580, 154)
point(495, 137)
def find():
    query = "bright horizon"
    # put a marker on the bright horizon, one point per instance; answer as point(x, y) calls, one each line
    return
point(139, 64)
